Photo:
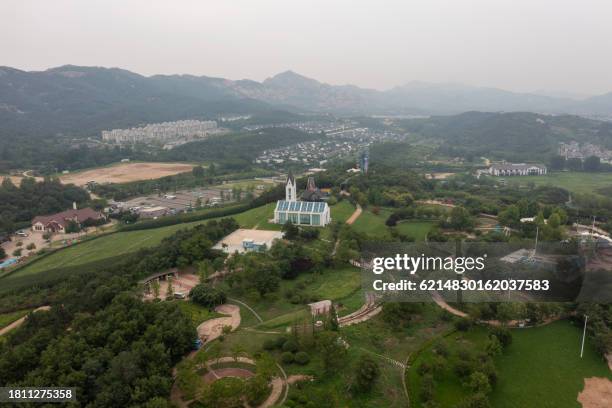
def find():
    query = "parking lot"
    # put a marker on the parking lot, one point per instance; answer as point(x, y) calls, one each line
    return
point(181, 200)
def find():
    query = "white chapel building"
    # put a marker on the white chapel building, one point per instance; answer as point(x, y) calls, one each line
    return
point(313, 213)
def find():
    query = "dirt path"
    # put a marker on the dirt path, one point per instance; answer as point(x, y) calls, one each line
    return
point(355, 215)
point(19, 322)
point(213, 328)
point(597, 393)
point(442, 303)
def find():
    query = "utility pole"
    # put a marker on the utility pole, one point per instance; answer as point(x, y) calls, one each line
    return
point(583, 335)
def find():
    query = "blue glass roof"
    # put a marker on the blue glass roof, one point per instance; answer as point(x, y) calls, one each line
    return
point(301, 206)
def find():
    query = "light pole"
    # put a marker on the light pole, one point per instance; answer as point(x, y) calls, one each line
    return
point(583, 335)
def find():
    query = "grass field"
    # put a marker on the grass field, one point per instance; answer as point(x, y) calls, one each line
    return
point(374, 225)
point(123, 243)
point(541, 368)
point(8, 318)
point(341, 211)
point(277, 310)
point(576, 182)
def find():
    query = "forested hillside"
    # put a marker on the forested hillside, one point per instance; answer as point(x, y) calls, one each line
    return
point(512, 136)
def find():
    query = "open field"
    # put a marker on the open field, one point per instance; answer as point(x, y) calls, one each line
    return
point(374, 225)
point(556, 372)
point(576, 182)
point(542, 367)
point(125, 173)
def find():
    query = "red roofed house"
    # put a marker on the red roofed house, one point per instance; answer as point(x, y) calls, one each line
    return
point(58, 222)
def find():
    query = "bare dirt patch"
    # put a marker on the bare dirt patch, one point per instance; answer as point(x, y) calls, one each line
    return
point(597, 393)
point(125, 173)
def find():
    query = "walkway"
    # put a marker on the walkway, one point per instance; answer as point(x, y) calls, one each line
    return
point(213, 328)
point(19, 322)
point(355, 215)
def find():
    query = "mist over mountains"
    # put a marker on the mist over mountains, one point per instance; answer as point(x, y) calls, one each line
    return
point(84, 100)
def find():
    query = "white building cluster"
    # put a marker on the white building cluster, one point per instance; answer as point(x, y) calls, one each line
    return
point(517, 169)
point(182, 130)
point(575, 150)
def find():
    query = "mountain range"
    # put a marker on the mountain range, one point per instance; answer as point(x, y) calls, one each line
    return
point(76, 100)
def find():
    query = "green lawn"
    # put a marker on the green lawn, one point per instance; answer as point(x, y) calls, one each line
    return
point(576, 182)
point(374, 225)
point(340, 212)
point(541, 368)
point(8, 318)
point(415, 229)
point(277, 310)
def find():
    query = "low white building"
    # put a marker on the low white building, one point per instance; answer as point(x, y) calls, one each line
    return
point(517, 169)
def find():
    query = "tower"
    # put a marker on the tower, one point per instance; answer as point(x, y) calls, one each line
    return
point(364, 160)
point(290, 188)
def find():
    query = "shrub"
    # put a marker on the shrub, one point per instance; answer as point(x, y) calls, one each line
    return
point(290, 345)
point(269, 344)
point(302, 358)
point(503, 335)
point(280, 341)
point(287, 357)
point(31, 246)
point(366, 374)
point(463, 324)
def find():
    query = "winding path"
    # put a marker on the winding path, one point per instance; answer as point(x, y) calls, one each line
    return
point(19, 322)
point(213, 328)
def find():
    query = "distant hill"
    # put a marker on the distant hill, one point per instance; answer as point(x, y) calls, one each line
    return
point(82, 101)
point(512, 136)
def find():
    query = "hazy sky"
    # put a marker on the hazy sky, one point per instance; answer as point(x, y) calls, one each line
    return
point(520, 45)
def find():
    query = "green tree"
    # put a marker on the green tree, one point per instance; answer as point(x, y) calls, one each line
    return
point(198, 171)
point(332, 349)
point(479, 383)
point(592, 164)
point(366, 373)
point(170, 290)
point(290, 231)
point(207, 296)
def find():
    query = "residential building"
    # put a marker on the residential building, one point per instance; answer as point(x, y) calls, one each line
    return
point(58, 222)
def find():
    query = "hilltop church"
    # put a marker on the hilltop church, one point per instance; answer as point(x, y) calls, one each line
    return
point(310, 210)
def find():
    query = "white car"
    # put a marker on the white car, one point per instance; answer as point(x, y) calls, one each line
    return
point(22, 234)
